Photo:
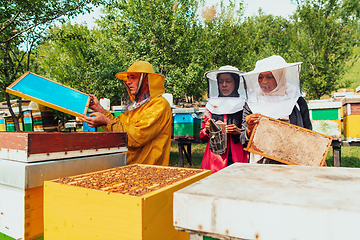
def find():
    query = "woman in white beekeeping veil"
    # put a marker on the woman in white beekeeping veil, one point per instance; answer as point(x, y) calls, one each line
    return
point(225, 103)
point(273, 89)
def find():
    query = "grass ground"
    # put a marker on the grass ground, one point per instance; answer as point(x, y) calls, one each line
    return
point(350, 156)
point(352, 76)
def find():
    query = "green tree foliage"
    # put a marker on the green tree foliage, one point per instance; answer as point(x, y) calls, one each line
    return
point(326, 33)
point(182, 45)
point(265, 35)
point(222, 41)
point(22, 24)
point(165, 33)
point(81, 58)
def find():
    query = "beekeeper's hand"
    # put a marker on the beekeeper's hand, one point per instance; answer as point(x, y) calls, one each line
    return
point(95, 104)
point(207, 126)
point(95, 119)
point(233, 129)
point(251, 121)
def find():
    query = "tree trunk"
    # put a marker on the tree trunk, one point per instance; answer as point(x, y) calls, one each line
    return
point(13, 116)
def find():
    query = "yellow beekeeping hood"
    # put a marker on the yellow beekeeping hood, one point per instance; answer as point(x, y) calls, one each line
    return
point(156, 81)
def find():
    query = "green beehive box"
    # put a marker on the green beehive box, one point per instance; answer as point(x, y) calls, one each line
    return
point(326, 117)
point(187, 123)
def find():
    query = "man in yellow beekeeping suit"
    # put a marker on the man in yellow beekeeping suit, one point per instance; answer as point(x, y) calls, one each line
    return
point(147, 120)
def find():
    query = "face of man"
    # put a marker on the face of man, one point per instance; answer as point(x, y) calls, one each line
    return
point(267, 81)
point(133, 82)
point(226, 84)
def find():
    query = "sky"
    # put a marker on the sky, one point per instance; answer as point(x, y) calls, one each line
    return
point(282, 8)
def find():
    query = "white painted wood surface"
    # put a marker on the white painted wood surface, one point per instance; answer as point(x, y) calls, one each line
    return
point(12, 210)
point(29, 175)
point(273, 202)
point(24, 156)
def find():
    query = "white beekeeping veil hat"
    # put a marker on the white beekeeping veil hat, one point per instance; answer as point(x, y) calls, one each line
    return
point(219, 104)
point(280, 101)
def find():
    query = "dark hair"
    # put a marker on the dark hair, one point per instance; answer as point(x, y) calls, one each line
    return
point(236, 78)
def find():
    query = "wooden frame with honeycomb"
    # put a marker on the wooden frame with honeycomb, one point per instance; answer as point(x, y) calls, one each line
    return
point(288, 143)
point(130, 202)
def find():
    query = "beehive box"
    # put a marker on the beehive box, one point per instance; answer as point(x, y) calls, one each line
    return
point(41, 146)
point(10, 126)
point(131, 202)
point(21, 190)
point(351, 108)
point(326, 117)
point(28, 123)
point(272, 202)
point(187, 123)
point(288, 143)
point(2, 124)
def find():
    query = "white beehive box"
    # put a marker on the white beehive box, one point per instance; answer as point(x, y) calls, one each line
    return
point(267, 202)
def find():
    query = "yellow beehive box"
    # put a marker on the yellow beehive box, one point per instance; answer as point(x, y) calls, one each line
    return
point(352, 127)
point(351, 120)
point(130, 202)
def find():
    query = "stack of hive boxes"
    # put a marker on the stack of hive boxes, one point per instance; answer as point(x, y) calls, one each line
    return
point(351, 112)
point(35, 117)
point(27, 159)
point(43, 118)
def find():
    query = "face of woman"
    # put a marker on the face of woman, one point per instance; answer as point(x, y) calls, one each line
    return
point(267, 81)
point(226, 84)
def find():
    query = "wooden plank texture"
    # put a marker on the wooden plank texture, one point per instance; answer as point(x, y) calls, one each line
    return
point(158, 211)
point(40, 146)
point(14, 140)
point(34, 220)
point(355, 108)
point(90, 214)
point(59, 142)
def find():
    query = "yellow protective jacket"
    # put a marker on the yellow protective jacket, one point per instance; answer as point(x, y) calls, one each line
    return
point(148, 127)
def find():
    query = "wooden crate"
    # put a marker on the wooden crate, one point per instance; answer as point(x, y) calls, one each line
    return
point(41, 146)
point(272, 202)
point(112, 210)
point(288, 143)
point(21, 190)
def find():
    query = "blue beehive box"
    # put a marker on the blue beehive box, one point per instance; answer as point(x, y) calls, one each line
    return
point(187, 123)
point(2, 124)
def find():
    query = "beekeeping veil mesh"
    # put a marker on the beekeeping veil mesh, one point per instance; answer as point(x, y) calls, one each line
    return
point(280, 102)
point(218, 104)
